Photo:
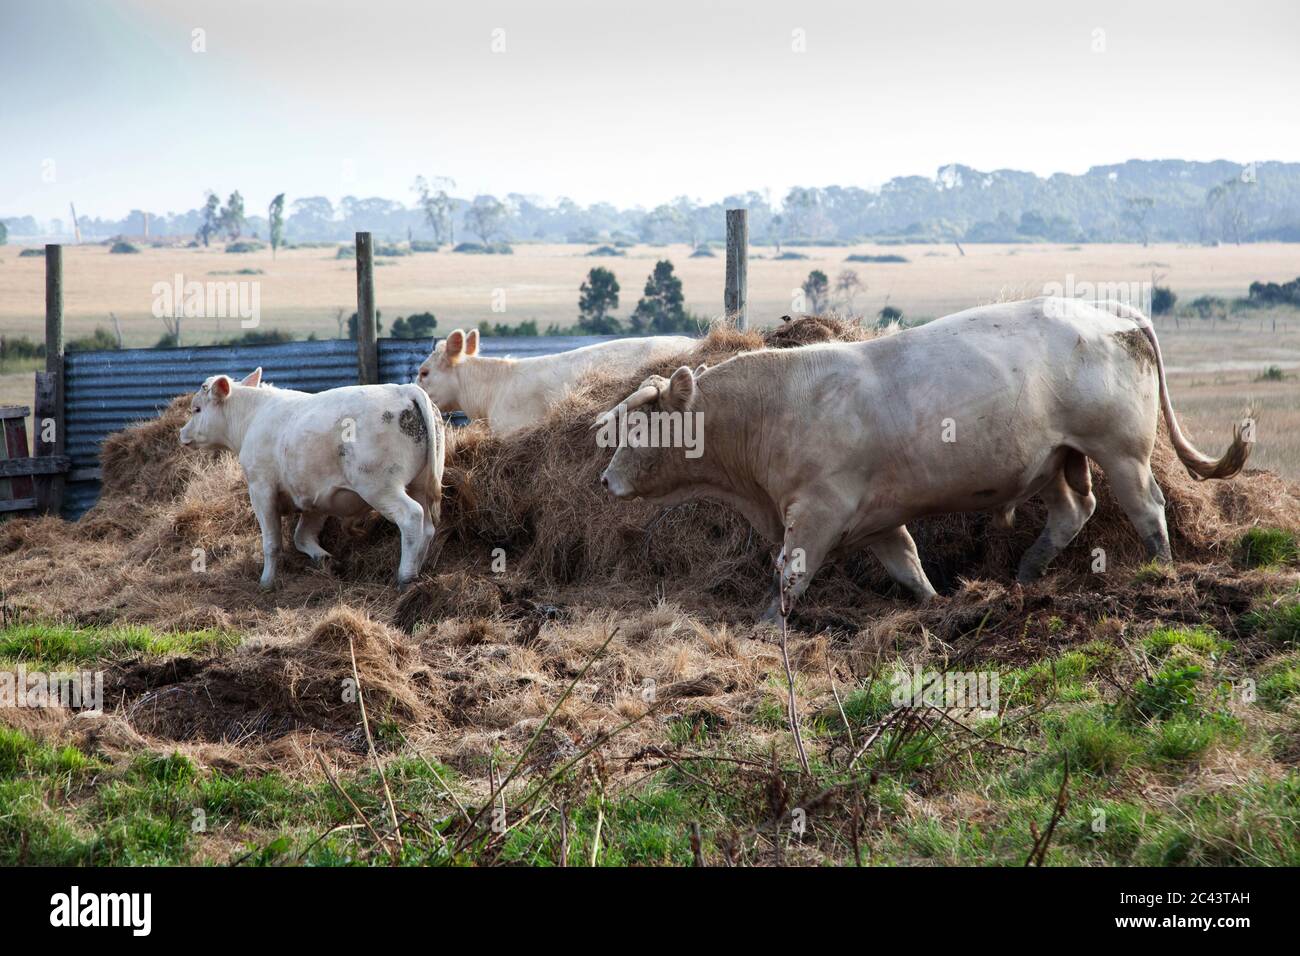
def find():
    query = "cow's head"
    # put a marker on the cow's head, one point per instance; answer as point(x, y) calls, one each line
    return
point(439, 374)
point(209, 424)
point(639, 469)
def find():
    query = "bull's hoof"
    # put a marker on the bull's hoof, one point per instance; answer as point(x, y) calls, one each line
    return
point(324, 562)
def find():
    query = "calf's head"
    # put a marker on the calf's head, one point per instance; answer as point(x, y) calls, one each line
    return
point(439, 374)
point(210, 420)
point(655, 436)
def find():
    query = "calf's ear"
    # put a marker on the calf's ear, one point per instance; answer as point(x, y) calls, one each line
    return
point(455, 346)
point(254, 378)
point(471, 342)
point(221, 387)
point(679, 394)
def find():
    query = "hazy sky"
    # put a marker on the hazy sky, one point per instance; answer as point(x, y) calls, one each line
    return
point(634, 103)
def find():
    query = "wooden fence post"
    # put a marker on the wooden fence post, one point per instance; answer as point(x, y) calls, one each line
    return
point(735, 297)
point(48, 420)
point(367, 344)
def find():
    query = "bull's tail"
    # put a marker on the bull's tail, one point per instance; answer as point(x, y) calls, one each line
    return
point(1198, 465)
point(436, 448)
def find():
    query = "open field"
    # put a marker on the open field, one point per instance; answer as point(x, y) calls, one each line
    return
point(303, 289)
point(1213, 365)
point(610, 690)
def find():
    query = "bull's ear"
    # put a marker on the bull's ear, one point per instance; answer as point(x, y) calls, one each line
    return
point(701, 370)
point(471, 342)
point(221, 387)
point(680, 392)
point(254, 378)
point(455, 346)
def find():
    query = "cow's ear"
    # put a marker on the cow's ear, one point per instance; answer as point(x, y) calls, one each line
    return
point(455, 346)
point(254, 378)
point(701, 370)
point(221, 387)
point(471, 342)
point(679, 394)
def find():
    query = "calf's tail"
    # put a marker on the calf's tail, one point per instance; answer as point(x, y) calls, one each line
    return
point(436, 447)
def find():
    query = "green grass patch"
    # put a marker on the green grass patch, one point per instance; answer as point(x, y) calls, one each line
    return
point(1280, 682)
point(1276, 619)
point(1267, 547)
point(1204, 641)
point(57, 644)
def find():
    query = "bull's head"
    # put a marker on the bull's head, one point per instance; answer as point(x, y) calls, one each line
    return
point(643, 470)
point(439, 374)
point(209, 424)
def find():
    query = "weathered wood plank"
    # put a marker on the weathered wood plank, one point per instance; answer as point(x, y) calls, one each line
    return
point(50, 465)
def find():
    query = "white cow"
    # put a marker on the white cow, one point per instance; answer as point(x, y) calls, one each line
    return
point(836, 446)
point(338, 452)
point(513, 393)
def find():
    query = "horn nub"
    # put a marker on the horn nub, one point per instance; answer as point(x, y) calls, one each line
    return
point(644, 394)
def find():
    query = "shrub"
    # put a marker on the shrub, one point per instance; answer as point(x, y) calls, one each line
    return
point(484, 249)
point(122, 248)
point(863, 257)
point(526, 328)
point(32, 252)
point(259, 337)
point(423, 245)
point(606, 251)
point(1162, 300)
point(1208, 305)
point(100, 340)
point(890, 314)
point(417, 326)
point(1271, 293)
point(245, 245)
point(1171, 690)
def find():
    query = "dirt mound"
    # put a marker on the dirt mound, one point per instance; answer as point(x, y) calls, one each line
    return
point(265, 690)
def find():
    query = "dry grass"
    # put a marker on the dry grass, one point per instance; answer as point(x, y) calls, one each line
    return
point(469, 662)
point(302, 289)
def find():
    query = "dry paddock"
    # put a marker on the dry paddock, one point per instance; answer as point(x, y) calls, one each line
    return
point(468, 662)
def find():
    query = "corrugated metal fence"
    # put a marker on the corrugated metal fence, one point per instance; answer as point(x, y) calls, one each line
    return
point(107, 391)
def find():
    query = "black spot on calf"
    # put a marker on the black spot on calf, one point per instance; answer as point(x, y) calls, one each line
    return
point(411, 422)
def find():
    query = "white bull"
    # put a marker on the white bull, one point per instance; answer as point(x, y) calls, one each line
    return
point(338, 453)
point(514, 393)
point(833, 447)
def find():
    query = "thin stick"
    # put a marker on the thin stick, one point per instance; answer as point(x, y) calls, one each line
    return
point(791, 704)
point(365, 722)
point(437, 776)
point(836, 694)
point(541, 727)
point(344, 794)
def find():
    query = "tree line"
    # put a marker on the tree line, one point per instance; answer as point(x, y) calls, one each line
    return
point(1136, 201)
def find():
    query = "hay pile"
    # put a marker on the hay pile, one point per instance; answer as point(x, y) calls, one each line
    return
point(469, 660)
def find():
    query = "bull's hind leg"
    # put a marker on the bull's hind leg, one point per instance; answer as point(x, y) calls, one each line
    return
point(306, 535)
point(1070, 503)
point(1138, 494)
point(897, 552)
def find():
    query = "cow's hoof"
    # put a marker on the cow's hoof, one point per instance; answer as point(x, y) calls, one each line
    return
point(324, 563)
point(403, 586)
